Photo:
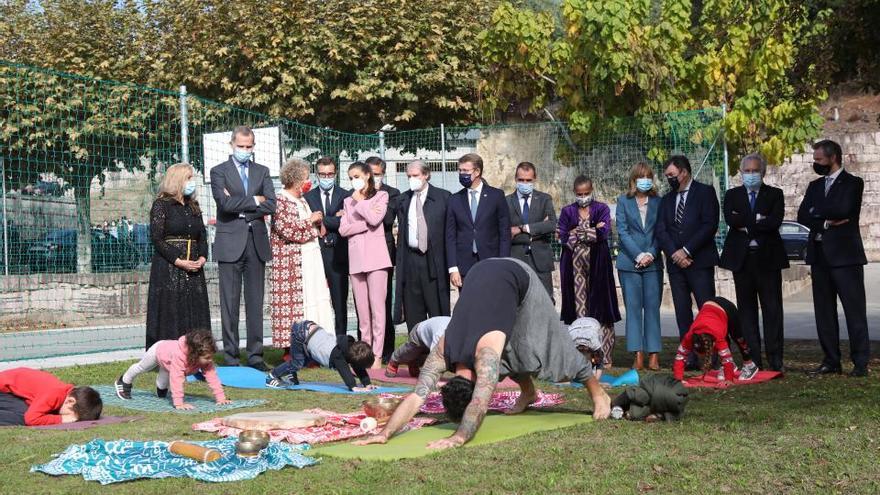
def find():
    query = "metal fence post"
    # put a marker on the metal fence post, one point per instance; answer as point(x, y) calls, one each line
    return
point(382, 145)
point(443, 152)
point(184, 126)
point(5, 221)
point(724, 139)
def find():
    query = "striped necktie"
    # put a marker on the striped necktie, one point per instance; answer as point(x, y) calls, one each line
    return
point(679, 210)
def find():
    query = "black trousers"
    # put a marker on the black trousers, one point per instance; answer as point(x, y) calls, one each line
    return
point(688, 285)
point(252, 270)
point(12, 409)
point(848, 284)
point(388, 346)
point(546, 278)
point(756, 285)
point(337, 282)
point(422, 296)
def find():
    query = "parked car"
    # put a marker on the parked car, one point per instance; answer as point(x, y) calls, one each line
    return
point(56, 253)
point(794, 237)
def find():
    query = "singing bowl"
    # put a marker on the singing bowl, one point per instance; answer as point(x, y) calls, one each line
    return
point(380, 408)
point(248, 449)
point(256, 437)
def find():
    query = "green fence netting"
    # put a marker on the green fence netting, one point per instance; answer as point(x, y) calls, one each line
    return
point(81, 160)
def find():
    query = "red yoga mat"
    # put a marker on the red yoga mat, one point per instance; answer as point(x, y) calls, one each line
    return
point(711, 380)
point(404, 378)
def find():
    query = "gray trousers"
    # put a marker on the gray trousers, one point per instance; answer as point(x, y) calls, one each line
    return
point(252, 270)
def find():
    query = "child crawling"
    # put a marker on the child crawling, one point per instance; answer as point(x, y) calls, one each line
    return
point(309, 341)
point(32, 397)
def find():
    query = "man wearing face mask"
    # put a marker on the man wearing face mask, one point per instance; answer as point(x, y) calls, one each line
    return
point(533, 221)
point(686, 228)
point(754, 252)
point(378, 167)
point(831, 209)
point(422, 283)
point(245, 195)
point(328, 198)
point(477, 221)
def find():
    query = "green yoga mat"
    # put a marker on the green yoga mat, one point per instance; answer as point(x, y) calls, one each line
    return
point(141, 400)
point(495, 428)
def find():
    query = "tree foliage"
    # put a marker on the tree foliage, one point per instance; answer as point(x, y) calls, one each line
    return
point(619, 58)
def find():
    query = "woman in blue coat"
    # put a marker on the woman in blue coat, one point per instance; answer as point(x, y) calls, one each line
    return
point(640, 266)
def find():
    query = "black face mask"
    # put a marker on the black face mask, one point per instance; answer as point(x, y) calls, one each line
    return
point(821, 169)
point(673, 183)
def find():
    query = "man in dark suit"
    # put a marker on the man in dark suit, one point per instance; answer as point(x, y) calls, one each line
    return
point(831, 209)
point(477, 221)
point(328, 198)
point(686, 227)
point(422, 284)
point(533, 221)
point(754, 252)
point(244, 195)
point(378, 166)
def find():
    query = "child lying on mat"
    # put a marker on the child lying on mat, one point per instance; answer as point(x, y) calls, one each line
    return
point(414, 352)
point(190, 354)
point(33, 397)
point(309, 341)
point(717, 321)
point(656, 398)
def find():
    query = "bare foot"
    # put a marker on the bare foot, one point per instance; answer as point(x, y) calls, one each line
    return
point(522, 403)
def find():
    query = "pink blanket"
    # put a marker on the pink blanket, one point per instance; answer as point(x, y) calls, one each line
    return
point(404, 378)
point(338, 427)
point(710, 380)
point(501, 401)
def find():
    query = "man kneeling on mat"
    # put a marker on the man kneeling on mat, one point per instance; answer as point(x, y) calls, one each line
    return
point(423, 337)
point(504, 325)
point(33, 397)
point(340, 352)
point(717, 321)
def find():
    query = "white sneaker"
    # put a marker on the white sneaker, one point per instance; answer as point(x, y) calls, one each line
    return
point(749, 371)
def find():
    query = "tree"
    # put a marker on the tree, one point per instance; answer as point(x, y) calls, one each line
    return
point(620, 58)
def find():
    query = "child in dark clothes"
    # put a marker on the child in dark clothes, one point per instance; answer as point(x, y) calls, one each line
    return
point(309, 341)
point(32, 397)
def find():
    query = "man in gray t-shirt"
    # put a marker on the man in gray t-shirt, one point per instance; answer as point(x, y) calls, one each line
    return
point(423, 337)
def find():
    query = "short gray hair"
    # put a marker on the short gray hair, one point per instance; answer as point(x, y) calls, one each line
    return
point(422, 166)
point(295, 170)
point(762, 164)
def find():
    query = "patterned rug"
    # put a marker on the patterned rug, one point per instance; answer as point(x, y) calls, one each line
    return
point(338, 427)
point(125, 460)
point(141, 400)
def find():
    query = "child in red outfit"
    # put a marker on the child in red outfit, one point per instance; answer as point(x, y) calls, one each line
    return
point(175, 359)
point(716, 321)
point(33, 397)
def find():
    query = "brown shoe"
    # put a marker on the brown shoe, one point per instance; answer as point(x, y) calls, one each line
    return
point(653, 361)
point(639, 363)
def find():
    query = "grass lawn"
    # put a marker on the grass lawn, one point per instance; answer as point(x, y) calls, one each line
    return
point(796, 435)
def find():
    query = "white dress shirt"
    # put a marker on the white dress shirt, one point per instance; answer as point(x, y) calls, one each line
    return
point(412, 222)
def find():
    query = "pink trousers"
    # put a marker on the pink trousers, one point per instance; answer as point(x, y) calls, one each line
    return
point(370, 290)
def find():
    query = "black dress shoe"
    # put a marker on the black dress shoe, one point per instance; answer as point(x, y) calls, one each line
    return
point(229, 363)
point(825, 370)
point(261, 366)
point(858, 372)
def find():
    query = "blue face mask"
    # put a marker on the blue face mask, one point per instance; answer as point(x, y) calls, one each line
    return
point(525, 188)
point(242, 156)
point(644, 184)
point(466, 180)
point(189, 188)
point(752, 180)
point(326, 184)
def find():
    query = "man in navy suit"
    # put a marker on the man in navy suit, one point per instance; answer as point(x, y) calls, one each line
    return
point(244, 195)
point(328, 198)
point(477, 221)
point(686, 230)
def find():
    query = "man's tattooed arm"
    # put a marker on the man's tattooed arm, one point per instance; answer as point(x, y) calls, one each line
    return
point(432, 370)
point(487, 362)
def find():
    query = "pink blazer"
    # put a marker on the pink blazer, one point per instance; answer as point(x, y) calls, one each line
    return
point(361, 222)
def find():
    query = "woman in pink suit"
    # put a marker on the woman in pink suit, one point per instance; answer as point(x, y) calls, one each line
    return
point(368, 258)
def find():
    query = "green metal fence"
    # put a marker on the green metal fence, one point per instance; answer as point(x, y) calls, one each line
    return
point(81, 160)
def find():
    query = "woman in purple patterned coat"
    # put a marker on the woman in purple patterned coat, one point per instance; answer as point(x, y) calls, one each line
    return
point(588, 288)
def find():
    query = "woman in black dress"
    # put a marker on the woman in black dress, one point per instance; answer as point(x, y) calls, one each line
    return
point(177, 301)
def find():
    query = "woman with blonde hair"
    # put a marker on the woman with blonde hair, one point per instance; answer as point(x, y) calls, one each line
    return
point(299, 287)
point(177, 300)
point(640, 266)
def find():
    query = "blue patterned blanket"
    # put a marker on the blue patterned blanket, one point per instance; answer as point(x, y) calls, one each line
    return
point(124, 460)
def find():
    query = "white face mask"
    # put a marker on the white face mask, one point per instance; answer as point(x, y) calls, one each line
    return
point(584, 201)
point(377, 179)
point(358, 184)
point(415, 184)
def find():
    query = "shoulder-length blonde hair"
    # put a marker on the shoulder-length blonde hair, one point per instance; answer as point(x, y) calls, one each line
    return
point(638, 171)
point(171, 187)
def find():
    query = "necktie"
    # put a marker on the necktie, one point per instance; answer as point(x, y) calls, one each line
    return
point(752, 195)
point(679, 210)
point(244, 176)
point(474, 215)
point(421, 225)
point(828, 182)
point(525, 210)
point(326, 203)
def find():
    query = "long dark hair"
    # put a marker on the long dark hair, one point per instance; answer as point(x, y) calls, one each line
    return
point(371, 183)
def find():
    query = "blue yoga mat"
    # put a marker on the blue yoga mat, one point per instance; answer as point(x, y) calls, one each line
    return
point(247, 377)
point(628, 378)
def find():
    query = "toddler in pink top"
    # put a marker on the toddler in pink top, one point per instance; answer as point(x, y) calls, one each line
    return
point(192, 353)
